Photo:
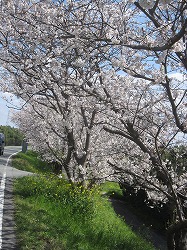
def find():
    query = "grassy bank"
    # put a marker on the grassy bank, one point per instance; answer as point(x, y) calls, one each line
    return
point(31, 162)
point(52, 214)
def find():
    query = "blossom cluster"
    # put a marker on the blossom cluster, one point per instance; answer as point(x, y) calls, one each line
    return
point(96, 80)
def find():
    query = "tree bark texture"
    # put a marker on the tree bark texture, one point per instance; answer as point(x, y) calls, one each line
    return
point(177, 236)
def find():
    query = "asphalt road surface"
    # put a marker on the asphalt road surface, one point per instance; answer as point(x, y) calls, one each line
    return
point(7, 174)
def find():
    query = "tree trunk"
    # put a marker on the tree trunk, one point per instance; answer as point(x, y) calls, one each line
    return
point(177, 236)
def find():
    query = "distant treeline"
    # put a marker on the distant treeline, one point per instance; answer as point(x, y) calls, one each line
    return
point(13, 137)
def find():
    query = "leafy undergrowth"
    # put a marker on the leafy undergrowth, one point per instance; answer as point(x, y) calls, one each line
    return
point(53, 214)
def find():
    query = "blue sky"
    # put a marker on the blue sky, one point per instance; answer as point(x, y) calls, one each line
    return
point(4, 113)
point(5, 110)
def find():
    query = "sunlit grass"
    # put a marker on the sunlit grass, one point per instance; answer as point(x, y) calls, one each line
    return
point(30, 161)
point(67, 218)
point(111, 189)
point(52, 214)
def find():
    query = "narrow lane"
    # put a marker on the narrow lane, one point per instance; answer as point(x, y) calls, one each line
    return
point(4, 160)
point(7, 174)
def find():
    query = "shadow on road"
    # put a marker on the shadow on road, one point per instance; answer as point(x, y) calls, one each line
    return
point(8, 234)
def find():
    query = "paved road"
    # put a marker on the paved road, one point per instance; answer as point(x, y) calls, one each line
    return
point(7, 174)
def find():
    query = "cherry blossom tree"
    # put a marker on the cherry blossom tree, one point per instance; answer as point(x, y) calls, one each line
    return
point(123, 54)
point(67, 131)
point(145, 120)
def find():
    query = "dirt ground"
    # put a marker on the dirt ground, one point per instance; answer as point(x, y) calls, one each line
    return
point(157, 239)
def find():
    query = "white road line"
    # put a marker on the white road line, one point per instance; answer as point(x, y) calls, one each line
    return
point(2, 197)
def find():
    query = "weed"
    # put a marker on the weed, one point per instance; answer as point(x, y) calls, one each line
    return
point(53, 214)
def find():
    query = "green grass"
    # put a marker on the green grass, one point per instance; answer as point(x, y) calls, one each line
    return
point(111, 189)
point(52, 214)
point(31, 162)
